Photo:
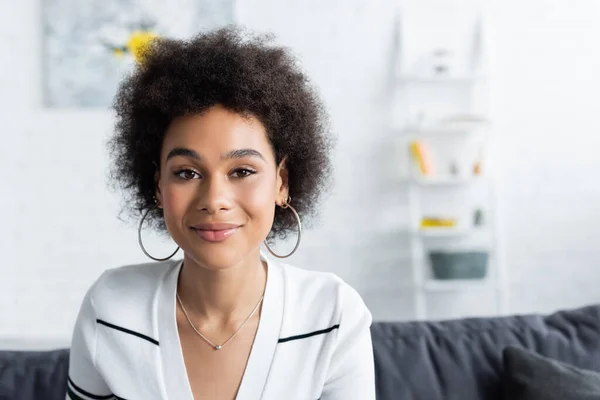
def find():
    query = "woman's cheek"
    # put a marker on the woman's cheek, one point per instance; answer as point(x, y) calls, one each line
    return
point(257, 199)
point(176, 198)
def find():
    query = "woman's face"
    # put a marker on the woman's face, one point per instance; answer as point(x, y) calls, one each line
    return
point(218, 186)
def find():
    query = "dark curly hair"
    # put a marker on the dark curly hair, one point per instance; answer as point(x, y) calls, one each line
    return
point(242, 72)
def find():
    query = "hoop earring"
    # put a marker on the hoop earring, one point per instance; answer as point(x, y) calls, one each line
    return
point(287, 205)
point(142, 245)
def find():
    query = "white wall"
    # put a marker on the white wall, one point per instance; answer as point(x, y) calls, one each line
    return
point(60, 226)
point(547, 79)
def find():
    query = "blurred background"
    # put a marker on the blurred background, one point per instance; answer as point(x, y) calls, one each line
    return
point(466, 167)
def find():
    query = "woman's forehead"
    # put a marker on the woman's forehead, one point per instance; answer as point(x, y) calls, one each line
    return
point(217, 133)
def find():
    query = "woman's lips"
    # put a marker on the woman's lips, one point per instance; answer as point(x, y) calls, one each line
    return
point(215, 235)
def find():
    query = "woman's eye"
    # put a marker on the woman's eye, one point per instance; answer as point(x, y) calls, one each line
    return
point(186, 174)
point(243, 172)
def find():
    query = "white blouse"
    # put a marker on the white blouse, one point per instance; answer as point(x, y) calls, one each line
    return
point(313, 339)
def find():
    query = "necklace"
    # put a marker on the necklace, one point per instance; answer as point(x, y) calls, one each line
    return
point(218, 346)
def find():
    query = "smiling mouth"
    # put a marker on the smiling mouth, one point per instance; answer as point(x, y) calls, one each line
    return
point(215, 235)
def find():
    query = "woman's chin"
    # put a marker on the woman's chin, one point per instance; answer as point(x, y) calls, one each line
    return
point(216, 258)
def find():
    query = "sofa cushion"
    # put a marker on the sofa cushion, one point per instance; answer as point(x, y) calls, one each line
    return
point(529, 376)
point(28, 375)
point(462, 359)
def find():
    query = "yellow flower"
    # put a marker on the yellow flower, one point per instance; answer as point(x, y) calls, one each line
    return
point(118, 52)
point(138, 42)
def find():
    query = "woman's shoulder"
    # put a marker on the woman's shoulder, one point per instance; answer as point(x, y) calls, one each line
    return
point(135, 276)
point(322, 294)
point(139, 273)
point(301, 279)
point(129, 286)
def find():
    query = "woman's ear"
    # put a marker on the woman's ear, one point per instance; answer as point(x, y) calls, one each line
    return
point(283, 188)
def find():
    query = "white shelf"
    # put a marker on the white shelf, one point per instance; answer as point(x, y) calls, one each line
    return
point(448, 232)
point(445, 181)
point(443, 130)
point(454, 79)
point(450, 285)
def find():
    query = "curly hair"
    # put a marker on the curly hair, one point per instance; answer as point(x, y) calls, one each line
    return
point(243, 73)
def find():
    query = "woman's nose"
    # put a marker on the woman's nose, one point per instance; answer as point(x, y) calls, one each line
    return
point(215, 195)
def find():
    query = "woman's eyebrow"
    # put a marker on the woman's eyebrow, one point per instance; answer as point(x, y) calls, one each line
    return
point(182, 151)
point(240, 153)
point(243, 153)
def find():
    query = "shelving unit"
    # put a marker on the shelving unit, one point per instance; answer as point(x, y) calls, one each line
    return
point(445, 109)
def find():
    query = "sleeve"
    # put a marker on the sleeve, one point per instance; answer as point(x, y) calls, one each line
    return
point(84, 382)
point(352, 371)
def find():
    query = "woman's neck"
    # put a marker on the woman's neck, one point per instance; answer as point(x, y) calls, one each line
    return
point(223, 296)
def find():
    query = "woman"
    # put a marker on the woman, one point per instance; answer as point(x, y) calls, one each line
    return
point(221, 142)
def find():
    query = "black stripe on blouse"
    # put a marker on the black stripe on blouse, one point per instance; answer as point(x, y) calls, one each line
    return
point(129, 331)
point(306, 335)
point(75, 396)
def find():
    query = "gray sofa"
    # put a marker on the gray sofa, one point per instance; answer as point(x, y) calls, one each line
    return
point(460, 359)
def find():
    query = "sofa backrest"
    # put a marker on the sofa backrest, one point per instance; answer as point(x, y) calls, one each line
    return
point(450, 360)
point(462, 359)
point(32, 375)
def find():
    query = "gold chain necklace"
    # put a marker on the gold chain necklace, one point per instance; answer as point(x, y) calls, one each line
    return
point(218, 346)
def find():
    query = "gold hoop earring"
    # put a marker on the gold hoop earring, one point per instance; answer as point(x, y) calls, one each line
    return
point(142, 244)
point(287, 205)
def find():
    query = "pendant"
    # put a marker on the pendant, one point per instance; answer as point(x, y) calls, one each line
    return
point(218, 347)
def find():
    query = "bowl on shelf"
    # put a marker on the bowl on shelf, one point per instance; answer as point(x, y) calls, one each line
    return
point(447, 265)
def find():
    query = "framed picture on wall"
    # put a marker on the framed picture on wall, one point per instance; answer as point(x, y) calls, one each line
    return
point(89, 46)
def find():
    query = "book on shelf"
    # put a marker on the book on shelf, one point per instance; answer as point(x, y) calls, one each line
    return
point(422, 157)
